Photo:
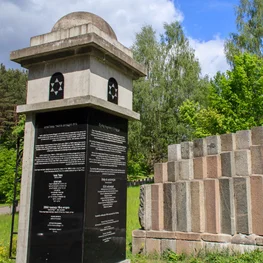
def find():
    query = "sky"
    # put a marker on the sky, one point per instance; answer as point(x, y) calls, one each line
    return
point(207, 23)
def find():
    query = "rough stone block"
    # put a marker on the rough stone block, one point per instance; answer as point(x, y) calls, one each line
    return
point(218, 238)
point(160, 234)
point(139, 233)
point(169, 206)
point(157, 206)
point(257, 135)
point(138, 245)
point(257, 159)
point(227, 164)
point(188, 247)
point(200, 147)
point(213, 145)
point(183, 204)
point(174, 152)
point(168, 244)
point(191, 236)
point(242, 205)
point(212, 206)
point(200, 168)
point(145, 209)
point(243, 139)
point(186, 169)
point(227, 206)
point(243, 163)
point(228, 142)
point(256, 184)
point(153, 246)
point(197, 206)
point(173, 171)
point(213, 166)
point(160, 173)
point(244, 239)
point(187, 150)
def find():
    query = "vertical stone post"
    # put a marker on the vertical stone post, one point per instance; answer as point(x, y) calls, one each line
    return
point(212, 206)
point(197, 206)
point(256, 182)
point(157, 206)
point(227, 207)
point(183, 204)
point(242, 205)
point(169, 206)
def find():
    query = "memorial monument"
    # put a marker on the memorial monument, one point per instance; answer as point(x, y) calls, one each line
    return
point(79, 101)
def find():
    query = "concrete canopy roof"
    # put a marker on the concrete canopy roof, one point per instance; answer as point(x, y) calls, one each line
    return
point(82, 18)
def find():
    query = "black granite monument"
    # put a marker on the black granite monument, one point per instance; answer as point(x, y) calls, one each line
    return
point(79, 188)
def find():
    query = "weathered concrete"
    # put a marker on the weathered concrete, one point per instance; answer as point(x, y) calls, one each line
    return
point(160, 173)
point(186, 169)
point(256, 159)
point(85, 101)
point(243, 139)
point(153, 246)
point(256, 184)
point(228, 164)
point(243, 163)
point(197, 206)
point(228, 142)
point(213, 166)
point(200, 147)
point(200, 168)
point(212, 206)
point(145, 209)
point(174, 152)
point(169, 206)
point(242, 205)
point(173, 171)
point(26, 191)
point(183, 205)
point(168, 244)
point(187, 150)
point(257, 135)
point(157, 206)
point(227, 206)
point(213, 145)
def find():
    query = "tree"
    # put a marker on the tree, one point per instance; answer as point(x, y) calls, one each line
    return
point(173, 75)
point(236, 101)
point(12, 93)
point(249, 24)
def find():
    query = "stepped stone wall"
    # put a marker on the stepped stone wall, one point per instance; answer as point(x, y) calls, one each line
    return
point(209, 195)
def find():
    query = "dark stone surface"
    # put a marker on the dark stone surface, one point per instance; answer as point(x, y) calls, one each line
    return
point(79, 188)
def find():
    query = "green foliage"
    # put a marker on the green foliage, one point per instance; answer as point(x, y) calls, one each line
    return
point(249, 24)
point(173, 75)
point(137, 168)
point(12, 93)
point(235, 100)
point(7, 174)
point(5, 227)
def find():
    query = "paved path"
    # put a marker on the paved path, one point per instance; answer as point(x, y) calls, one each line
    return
point(6, 210)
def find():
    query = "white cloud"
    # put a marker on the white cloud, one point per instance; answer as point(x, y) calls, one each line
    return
point(211, 55)
point(22, 19)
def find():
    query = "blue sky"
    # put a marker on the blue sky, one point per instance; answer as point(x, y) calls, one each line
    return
point(206, 18)
point(206, 22)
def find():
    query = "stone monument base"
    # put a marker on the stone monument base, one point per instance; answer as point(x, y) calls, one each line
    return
point(148, 242)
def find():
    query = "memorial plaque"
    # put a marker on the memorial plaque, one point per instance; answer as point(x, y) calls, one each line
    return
point(79, 188)
point(105, 227)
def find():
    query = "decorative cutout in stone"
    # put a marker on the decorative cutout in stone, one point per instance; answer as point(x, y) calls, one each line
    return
point(56, 86)
point(113, 91)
